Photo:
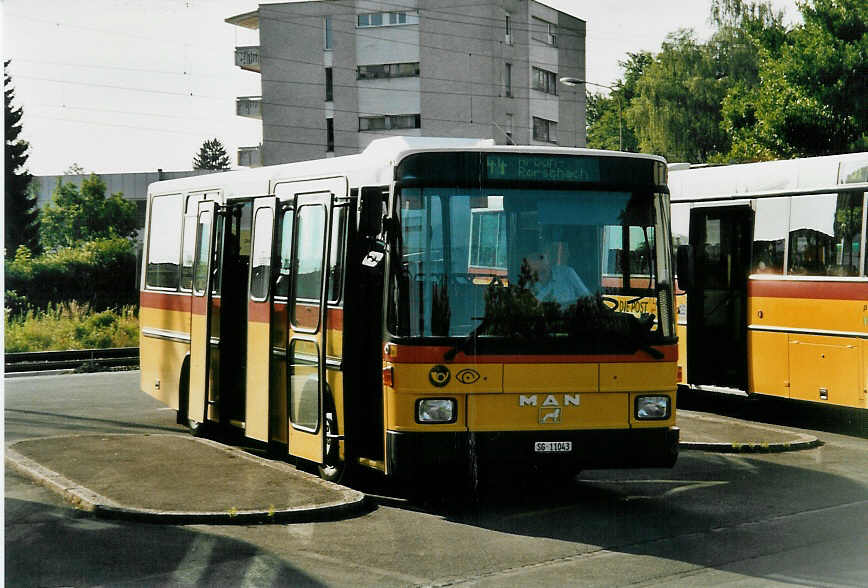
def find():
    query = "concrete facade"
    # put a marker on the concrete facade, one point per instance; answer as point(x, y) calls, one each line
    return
point(484, 71)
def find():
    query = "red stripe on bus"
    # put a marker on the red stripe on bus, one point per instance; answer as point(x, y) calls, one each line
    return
point(413, 354)
point(162, 301)
point(306, 315)
point(825, 290)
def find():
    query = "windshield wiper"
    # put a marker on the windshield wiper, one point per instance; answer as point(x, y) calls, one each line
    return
point(461, 345)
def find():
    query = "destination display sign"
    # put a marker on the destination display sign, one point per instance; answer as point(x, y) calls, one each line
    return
point(542, 168)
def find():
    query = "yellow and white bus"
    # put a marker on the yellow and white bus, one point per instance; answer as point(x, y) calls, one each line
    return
point(380, 309)
point(772, 257)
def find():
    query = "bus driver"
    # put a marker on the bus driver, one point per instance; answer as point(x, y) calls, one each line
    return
point(555, 283)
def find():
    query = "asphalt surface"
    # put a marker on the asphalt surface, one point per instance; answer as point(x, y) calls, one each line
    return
point(182, 479)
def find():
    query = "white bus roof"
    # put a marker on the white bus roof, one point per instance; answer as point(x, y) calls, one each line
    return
point(372, 167)
point(768, 178)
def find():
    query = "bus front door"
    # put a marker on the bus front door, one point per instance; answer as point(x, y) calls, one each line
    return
point(200, 315)
point(308, 314)
point(717, 304)
point(259, 317)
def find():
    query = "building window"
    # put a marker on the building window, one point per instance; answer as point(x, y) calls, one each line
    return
point(507, 80)
point(327, 25)
point(329, 87)
point(330, 135)
point(545, 81)
point(388, 70)
point(387, 19)
point(390, 121)
point(508, 29)
point(545, 130)
point(544, 31)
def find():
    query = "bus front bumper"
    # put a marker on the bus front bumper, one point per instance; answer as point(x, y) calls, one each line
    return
point(411, 454)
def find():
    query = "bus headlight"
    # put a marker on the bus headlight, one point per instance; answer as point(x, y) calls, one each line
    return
point(652, 408)
point(436, 410)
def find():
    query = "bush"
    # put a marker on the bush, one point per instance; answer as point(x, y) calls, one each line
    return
point(100, 274)
point(71, 326)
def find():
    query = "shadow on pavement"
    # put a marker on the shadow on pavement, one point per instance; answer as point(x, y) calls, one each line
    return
point(49, 546)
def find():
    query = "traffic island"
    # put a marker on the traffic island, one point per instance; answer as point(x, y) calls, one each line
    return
point(178, 479)
point(725, 435)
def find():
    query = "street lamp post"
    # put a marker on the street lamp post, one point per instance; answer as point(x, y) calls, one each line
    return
point(577, 82)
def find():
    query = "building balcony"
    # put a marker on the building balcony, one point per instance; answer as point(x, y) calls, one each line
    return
point(249, 106)
point(247, 58)
point(250, 156)
point(248, 20)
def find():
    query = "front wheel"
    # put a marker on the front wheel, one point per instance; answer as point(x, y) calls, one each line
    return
point(333, 468)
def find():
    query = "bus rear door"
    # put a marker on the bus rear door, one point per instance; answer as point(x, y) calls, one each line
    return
point(717, 304)
point(259, 317)
point(200, 316)
point(308, 313)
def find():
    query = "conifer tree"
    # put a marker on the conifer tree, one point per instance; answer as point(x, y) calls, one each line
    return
point(212, 155)
point(22, 215)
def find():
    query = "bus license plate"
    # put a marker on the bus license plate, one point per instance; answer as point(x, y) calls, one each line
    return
point(553, 446)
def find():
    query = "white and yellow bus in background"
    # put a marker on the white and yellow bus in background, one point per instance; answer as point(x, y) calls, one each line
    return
point(379, 310)
point(773, 263)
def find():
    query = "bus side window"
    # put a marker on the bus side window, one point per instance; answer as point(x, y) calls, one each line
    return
point(164, 243)
point(825, 234)
point(770, 230)
point(189, 248)
point(336, 257)
point(260, 272)
point(309, 252)
point(281, 288)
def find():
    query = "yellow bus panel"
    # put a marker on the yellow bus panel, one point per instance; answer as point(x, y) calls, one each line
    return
point(546, 412)
point(637, 377)
point(825, 369)
point(401, 412)
point(428, 379)
point(563, 377)
point(161, 362)
point(768, 365)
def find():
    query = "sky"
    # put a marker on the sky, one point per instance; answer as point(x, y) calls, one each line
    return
point(137, 85)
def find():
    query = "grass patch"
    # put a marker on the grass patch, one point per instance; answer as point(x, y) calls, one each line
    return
point(71, 326)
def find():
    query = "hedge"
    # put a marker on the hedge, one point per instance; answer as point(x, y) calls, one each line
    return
point(99, 274)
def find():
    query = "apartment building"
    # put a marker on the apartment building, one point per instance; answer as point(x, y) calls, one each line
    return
point(336, 75)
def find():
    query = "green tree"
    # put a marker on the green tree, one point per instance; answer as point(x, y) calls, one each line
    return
point(22, 215)
point(212, 155)
point(811, 97)
point(607, 126)
point(676, 110)
point(77, 215)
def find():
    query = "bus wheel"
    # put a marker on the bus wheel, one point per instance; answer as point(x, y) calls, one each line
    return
point(333, 467)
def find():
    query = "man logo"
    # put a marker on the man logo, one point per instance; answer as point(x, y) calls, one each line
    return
point(439, 375)
point(549, 416)
point(467, 376)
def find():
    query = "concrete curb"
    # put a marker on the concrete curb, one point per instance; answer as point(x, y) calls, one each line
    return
point(801, 440)
point(751, 447)
point(351, 503)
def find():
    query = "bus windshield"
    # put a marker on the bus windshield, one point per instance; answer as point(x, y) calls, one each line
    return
point(578, 267)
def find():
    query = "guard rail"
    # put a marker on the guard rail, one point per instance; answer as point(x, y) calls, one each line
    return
point(81, 360)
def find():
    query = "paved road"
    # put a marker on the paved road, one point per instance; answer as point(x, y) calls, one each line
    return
point(789, 518)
